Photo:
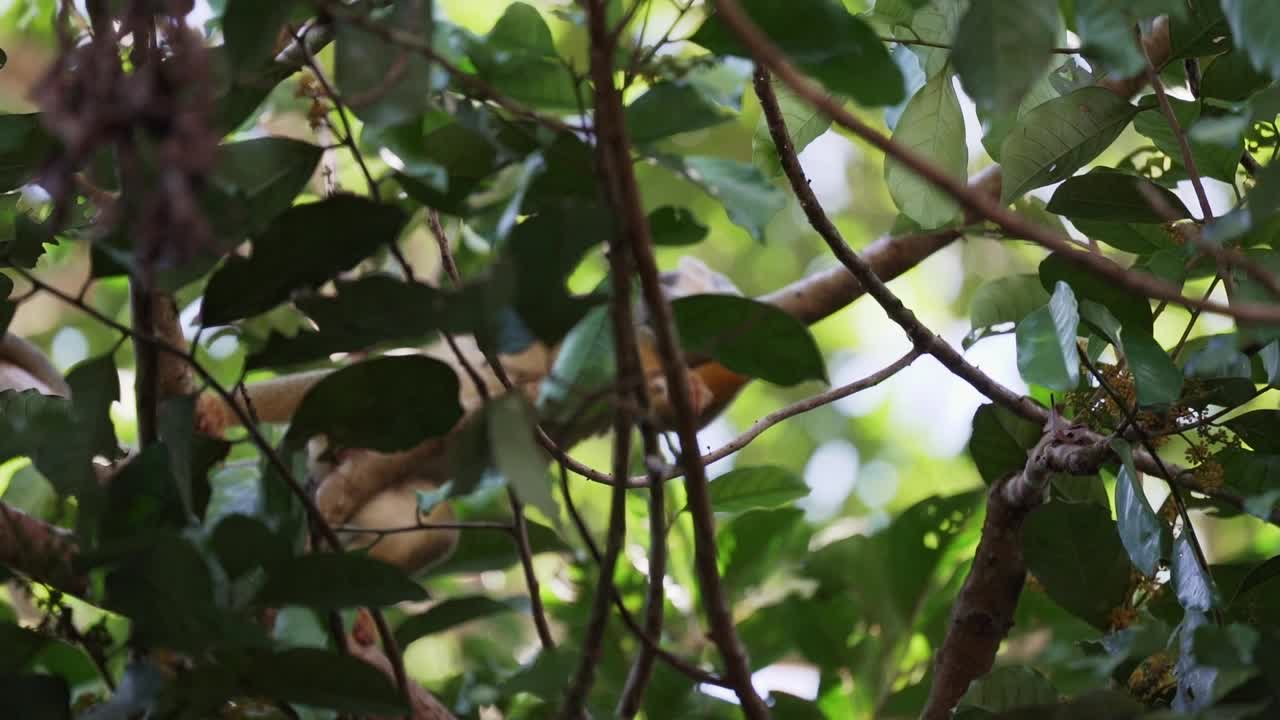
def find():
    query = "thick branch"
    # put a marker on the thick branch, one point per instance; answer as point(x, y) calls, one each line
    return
point(43, 552)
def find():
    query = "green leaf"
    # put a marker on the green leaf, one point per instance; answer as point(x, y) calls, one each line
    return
point(1110, 195)
point(1008, 688)
point(452, 613)
point(44, 428)
point(1255, 27)
point(672, 225)
point(252, 29)
point(333, 581)
point(1073, 549)
point(95, 385)
point(1002, 48)
point(1131, 309)
point(824, 40)
point(143, 499)
point(321, 678)
point(1146, 539)
point(805, 123)
point(32, 695)
point(303, 247)
point(671, 108)
point(1055, 139)
point(934, 21)
point(1047, 352)
point(1138, 239)
point(1106, 30)
point(583, 369)
point(519, 59)
point(242, 543)
point(1000, 441)
point(1258, 429)
point(23, 147)
point(495, 551)
point(756, 487)
point(387, 404)
point(382, 82)
point(1191, 583)
point(749, 337)
point(254, 181)
point(1231, 77)
point(752, 545)
point(517, 455)
point(1203, 31)
point(749, 198)
point(933, 126)
point(1215, 160)
point(1006, 300)
point(1158, 379)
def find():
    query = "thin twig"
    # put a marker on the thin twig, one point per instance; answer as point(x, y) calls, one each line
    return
point(617, 173)
point(945, 46)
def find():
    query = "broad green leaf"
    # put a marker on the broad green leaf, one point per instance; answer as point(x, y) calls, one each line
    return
point(1191, 582)
point(824, 39)
point(1158, 379)
point(454, 612)
point(252, 29)
point(934, 21)
point(933, 126)
point(303, 247)
point(749, 198)
point(1259, 428)
point(1255, 27)
point(242, 543)
point(1136, 238)
point(333, 581)
point(1203, 31)
point(1146, 539)
point(387, 404)
point(143, 500)
point(805, 123)
point(756, 487)
point(1106, 30)
point(44, 428)
point(749, 337)
point(382, 82)
point(1008, 688)
point(495, 551)
point(1248, 289)
point(1002, 48)
point(1074, 551)
point(23, 146)
point(1109, 195)
point(671, 108)
point(1133, 310)
point(519, 58)
point(1047, 352)
point(673, 225)
point(1231, 77)
point(1057, 138)
point(752, 545)
point(323, 679)
point(1215, 160)
point(1000, 441)
point(256, 180)
point(517, 455)
point(583, 371)
point(95, 385)
point(1006, 299)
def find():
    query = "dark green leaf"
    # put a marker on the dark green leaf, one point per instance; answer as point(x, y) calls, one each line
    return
point(1006, 300)
point(44, 428)
point(1002, 48)
point(382, 82)
point(1158, 379)
point(932, 125)
point(1047, 352)
point(1216, 160)
point(322, 678)
point(755, 487)
point(495, 551)
point(1202, 31)
point(95, 385)
point(823, 39)
point(1258, 428)
point(1110, 195)
point(143, 499)
point(23, 146)
point(1073, 549)
point(253, 28)
point(256, 180)
point(1131, 309)
point(305, 246)
point(1231, 77)
point(191, 455)
point(243, 543)
point(332, 581)
point(584, 367)
point(752, 545)
point(670, 225)
point(1054, 140)
point(671, 108)
point(1145, 538)
point(1000, 441)
point(1008, 688)
point(519, 59)
point(37, 697)
point(1138, 239)
point(749, 337)
point(1255, 27)
point(1106, 30)
point(452, 613)
point(387, 404)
